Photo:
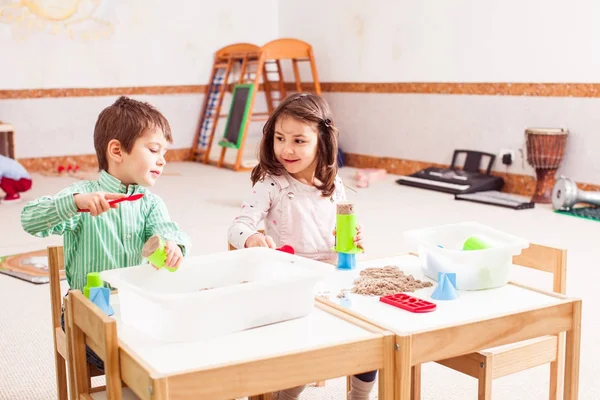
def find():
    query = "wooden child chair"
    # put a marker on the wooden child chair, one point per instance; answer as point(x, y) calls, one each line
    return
point(88, 325)
point(7, 140)
point(55, 265)
point(504, 360)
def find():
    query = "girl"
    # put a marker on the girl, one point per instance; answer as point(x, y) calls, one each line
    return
point(295, 188)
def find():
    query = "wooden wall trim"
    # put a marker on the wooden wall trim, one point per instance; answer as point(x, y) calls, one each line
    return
point(96, 92)
point(513, 183)
point(458, 88)
point(85, 162)
point(453, 88)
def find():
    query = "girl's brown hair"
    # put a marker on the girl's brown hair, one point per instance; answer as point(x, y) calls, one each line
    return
point(313, 110)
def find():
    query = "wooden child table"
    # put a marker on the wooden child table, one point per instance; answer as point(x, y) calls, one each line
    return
point(477, 320)
point(325, 344)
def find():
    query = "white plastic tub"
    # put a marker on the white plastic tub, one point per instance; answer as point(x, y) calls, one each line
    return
point(475, 269)
point(170, 306)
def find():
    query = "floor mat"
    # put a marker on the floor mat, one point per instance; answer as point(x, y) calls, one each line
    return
point(31, 266)
point(592, 213)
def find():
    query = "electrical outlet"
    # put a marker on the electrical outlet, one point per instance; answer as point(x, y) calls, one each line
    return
point(507, 156)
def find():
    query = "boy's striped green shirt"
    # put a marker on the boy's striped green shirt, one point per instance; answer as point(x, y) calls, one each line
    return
point(111, 240)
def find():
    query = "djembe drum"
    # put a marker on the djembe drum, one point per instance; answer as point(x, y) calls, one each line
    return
point(545, 151)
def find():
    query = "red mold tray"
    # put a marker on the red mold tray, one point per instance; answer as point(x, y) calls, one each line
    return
point(408, 303)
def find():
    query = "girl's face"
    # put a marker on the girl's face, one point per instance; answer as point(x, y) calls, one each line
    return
point(295, 147)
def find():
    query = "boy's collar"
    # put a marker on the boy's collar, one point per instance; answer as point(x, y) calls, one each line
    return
point(109, 183)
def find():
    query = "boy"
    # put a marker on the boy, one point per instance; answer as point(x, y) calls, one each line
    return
point(131, 139)
point(14, 179)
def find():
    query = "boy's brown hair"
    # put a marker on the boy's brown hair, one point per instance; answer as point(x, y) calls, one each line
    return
point(126, 120)
point(313, 110)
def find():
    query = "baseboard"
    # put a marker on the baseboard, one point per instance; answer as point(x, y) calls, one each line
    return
point(86, 162)
point(587, 90)
point(513, 183)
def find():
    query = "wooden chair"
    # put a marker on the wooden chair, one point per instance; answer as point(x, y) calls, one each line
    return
point(88, 325)
point(7, 140)
point(505, 360)
point(55, 265)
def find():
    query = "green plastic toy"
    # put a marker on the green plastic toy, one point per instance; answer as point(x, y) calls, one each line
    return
point(154, 251)
point(93, 280)
point(474, 243)
point(345, 227)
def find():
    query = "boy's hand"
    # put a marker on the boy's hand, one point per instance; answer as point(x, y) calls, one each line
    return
point(96, 202)
point(174, 254)
point(260, 240)
point(358, 238)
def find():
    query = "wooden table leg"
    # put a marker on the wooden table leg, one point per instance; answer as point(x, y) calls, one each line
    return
point(416, 382)
point(386, 373)
point(557, 370)
point(403, 367)
point(572, 354)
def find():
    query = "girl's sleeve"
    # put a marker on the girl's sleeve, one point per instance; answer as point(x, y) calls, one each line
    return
point(255, 208)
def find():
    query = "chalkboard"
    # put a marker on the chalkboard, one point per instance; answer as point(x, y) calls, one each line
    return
point(238, 116)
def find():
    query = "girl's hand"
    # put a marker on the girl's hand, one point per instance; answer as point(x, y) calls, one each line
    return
point(358, 239)
point(260, 240)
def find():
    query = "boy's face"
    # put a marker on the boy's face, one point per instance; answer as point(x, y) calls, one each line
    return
point(146, 161)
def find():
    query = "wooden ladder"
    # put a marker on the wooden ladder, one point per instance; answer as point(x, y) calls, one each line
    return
point(256, 65)
point(223, 75)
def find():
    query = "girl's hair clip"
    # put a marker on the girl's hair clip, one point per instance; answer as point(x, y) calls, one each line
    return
point(326, 122)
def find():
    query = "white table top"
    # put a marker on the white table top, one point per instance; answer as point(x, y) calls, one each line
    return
point(316, 330)
point(469, 306)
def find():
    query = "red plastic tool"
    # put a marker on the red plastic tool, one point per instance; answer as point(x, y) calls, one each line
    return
point(408, 303)
point(287, 249)
point(113, 202)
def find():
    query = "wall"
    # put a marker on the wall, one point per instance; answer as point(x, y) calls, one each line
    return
point(131, 43)
point(460, 41)
point(448, 41)
point(152, 43)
